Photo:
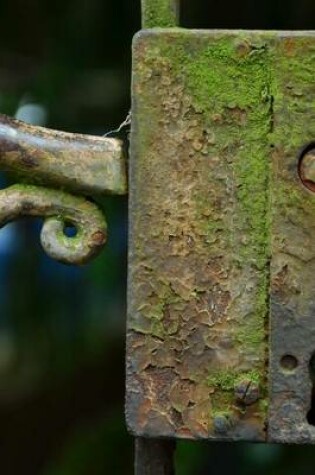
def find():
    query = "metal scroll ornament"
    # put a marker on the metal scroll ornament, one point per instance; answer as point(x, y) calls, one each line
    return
point(70, 165)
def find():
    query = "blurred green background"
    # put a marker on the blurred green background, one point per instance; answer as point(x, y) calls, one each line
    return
point(66, 64)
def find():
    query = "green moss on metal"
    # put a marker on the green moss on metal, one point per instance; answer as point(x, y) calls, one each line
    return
point(154, 314)
point(231, 77)
point(219, 90)
point(222, 404)
point(228, 379)
point(224, 384)
point(263, 405)
point(293, 95)
point(159, 13)
point(242, 83)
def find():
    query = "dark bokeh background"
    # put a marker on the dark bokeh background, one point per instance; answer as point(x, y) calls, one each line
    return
point(66, 64)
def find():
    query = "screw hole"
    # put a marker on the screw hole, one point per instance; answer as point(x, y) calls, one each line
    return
point(70, 230)
point(289, 362)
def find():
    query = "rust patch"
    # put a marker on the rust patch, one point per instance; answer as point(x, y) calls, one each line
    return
point(98, 238)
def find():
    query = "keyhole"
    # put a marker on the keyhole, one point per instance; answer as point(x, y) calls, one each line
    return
point(311, 413)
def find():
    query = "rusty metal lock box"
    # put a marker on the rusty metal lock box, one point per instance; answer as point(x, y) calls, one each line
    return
point(221, 328)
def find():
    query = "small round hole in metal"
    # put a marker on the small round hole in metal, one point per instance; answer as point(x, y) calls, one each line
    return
point(289, 363)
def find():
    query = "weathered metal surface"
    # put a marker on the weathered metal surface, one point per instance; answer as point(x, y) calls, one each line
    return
point(219, 122)
point(59, 210)
point(293, 244)
point(81, 163)
point(199, 240)
point(154, 457)
point(160, 13)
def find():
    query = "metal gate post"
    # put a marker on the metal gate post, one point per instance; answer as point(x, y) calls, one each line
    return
point(154, 457)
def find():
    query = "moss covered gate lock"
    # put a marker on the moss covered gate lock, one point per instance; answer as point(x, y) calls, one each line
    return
point(220, 327)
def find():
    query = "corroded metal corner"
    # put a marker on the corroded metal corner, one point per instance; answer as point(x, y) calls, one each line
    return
point(210, 139)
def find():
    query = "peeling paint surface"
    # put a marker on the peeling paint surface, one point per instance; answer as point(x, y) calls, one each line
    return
point(199, 244)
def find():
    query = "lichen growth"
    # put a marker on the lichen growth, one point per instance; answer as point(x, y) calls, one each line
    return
point(228, 379)
point(225, 382)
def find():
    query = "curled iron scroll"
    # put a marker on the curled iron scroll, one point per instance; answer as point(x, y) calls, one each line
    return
point(67, 163)
point(58, 209)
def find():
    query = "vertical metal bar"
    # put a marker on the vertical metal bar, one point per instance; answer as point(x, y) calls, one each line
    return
point(154, 456)
point(160, 13)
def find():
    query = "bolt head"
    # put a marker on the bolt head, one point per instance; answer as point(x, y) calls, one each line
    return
point(222, 423)
point(247, 392)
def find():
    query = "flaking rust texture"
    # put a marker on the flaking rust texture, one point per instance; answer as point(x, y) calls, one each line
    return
point(293, 243)
point(199, 239)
